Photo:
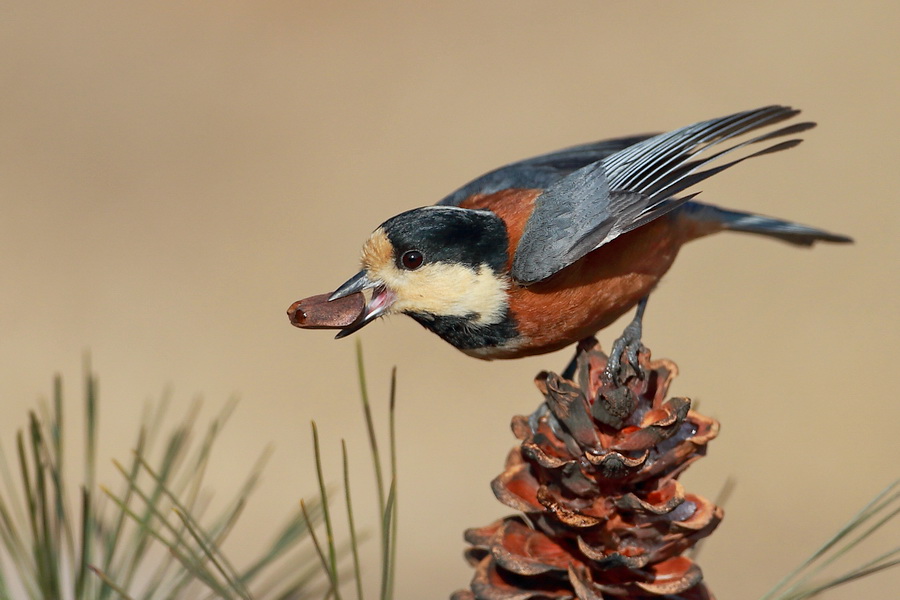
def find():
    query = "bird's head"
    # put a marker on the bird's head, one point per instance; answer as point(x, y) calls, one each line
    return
point(432, 263)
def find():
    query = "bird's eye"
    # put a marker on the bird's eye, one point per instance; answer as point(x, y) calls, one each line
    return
point(412, 259)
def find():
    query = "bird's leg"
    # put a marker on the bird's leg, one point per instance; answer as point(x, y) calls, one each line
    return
point(569, 373)
point(628, 345)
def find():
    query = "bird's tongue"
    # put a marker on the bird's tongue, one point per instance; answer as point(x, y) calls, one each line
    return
point(380, 301)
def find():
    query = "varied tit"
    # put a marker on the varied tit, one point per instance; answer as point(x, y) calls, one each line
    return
point(539, 254)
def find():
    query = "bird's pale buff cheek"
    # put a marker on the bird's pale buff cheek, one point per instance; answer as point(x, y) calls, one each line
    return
point(442, 289)
point(450, 290)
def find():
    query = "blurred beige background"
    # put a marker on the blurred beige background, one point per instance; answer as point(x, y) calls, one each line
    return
point(174, 175)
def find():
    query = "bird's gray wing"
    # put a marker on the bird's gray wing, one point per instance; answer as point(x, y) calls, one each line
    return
point(541, 171)
point(629, 188)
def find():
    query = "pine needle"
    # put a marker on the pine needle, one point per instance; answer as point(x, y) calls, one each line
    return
point(387, 506)
point(52, 551)
point(802, 577)
point(111, 584)
point(370, 426)
point(326, 564)
point(388, 542)
point(354, 542)
point(393, 495)
point(326, 514)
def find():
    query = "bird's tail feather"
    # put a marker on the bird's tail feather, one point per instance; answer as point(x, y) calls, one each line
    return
point(787, 231)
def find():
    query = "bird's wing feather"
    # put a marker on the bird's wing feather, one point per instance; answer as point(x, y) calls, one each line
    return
point(542, 171)
point(629, 188)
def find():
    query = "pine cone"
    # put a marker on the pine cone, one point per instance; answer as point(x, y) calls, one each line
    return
point(596, 478)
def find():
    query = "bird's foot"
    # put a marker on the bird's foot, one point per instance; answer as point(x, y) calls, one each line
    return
point(627, 346)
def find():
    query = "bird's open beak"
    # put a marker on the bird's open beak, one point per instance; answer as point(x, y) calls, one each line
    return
point(381, 300)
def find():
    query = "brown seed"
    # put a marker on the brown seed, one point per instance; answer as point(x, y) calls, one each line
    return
point(316, 312)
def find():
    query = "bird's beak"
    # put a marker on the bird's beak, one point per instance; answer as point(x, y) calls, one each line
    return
point(381, 300)
point(357, 283)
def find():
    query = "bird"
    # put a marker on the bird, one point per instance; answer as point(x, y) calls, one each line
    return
point(542, 253)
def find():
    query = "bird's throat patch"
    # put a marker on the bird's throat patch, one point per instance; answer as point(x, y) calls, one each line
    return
point(478, 341)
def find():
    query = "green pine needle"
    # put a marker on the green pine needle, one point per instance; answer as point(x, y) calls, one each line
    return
point(800, 583)
point(354, 541)
point(387, 504)
point(100, 546)
point(326, 513)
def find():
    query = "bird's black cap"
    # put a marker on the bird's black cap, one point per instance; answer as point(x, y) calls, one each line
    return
point(451, 235)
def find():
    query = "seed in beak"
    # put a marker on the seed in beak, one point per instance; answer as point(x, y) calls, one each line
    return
point(316, 312)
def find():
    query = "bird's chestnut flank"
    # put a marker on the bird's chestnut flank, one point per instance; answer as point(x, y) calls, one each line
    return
point(539, 254)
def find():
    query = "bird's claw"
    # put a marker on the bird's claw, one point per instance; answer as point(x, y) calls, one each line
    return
point(627, 346)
